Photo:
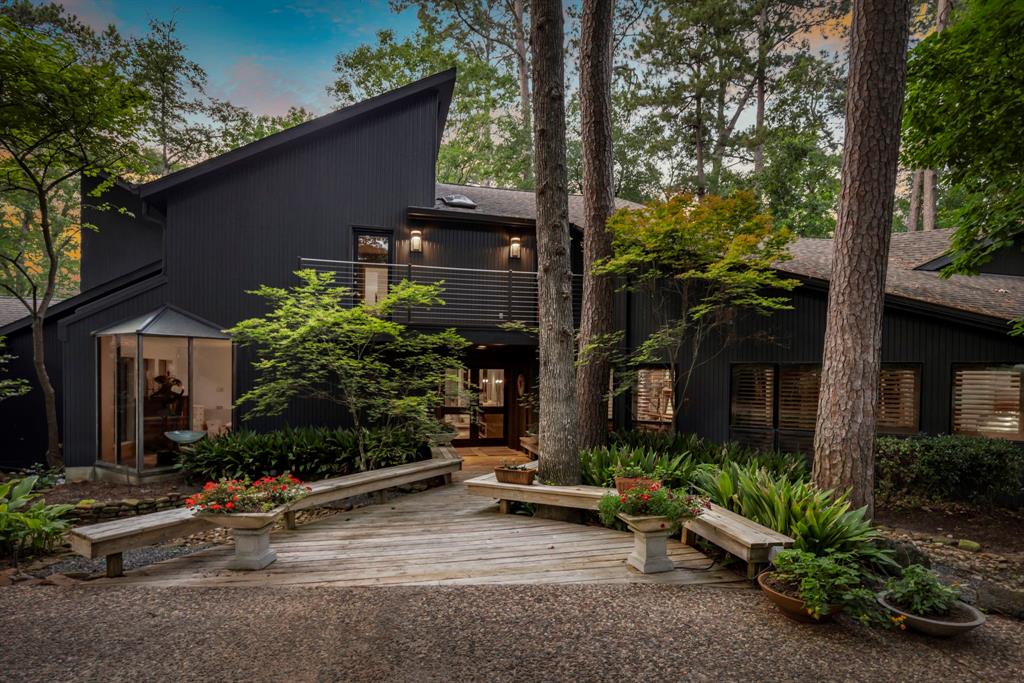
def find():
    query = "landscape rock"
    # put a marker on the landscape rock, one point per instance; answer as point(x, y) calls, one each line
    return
point(969, 545)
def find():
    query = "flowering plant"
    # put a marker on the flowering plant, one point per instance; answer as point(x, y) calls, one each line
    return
point(244, 495)
point(652, 501)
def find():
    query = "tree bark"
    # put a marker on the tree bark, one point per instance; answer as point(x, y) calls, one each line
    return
point(914, 212)
point(761, 76)
point(929, 181)
point(845, 433)
point(598, 203)
point(524, 80)
point(559, 460)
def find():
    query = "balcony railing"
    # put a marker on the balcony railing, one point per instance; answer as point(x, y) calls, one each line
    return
point(473, 297)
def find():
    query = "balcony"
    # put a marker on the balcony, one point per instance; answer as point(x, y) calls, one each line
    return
point(474, 298)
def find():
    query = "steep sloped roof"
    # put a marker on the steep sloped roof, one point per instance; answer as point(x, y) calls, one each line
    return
point(495, 201)
point(997, 296)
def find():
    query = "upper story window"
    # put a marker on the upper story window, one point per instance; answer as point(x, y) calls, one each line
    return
point(987, 401)
point(373, 253)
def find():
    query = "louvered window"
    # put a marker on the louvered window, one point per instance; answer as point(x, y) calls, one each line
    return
point(798, 396)
point(987, 401)
point(753, 396)
point(653, 396)
point(899, 400)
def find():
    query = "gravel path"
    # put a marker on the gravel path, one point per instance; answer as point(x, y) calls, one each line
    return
point(133, 559)
point(474, 633)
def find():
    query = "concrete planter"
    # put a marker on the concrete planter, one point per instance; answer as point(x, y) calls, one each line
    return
point(251, 531)
point(650, 543)
point(936, 626)
point(441, 438)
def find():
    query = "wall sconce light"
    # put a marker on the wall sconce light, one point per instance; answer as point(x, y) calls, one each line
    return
point(416, 242)
point(515, 249)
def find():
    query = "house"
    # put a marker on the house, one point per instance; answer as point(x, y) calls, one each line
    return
point(141, 350)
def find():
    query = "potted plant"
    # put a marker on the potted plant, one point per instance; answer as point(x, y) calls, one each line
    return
point(652, 513)
point(513, 473)
point(921, 601)
point(249, 509)
point(811, 588)
point(631, 476)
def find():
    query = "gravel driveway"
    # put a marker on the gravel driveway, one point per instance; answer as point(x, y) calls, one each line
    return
point(473, 633)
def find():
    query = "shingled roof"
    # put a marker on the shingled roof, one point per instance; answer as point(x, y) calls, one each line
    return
point(493, 201)
point(996, 296)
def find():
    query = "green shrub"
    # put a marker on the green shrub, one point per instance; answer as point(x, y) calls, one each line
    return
point(952, 468)
point(598, 465)
point(36, 527)
point(310, 453)
point(818, 521)
point(659, 501)
point(920, 592)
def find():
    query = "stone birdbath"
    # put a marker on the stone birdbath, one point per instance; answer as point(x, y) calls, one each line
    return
point(251, 531)
point(650, 543)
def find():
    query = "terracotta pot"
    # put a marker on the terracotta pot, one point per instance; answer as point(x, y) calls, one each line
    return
point(242, 520)
point(623, 484)
point(507, 476)
point(937, 626)
point(790, 606)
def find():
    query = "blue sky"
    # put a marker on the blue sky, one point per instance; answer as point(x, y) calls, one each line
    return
point(262, 55)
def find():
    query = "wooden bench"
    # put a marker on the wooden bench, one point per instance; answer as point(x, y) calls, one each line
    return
point(734, 533)
point(531, 445)
point(111, 539)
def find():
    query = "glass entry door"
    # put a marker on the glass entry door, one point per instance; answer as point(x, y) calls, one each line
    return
point(475, 405)
point(373, 254)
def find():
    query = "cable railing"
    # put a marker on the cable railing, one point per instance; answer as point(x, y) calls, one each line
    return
point(473, 297)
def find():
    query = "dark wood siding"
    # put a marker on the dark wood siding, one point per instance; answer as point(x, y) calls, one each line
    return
point(24, 418)
point(122, 242)
point(934, 343)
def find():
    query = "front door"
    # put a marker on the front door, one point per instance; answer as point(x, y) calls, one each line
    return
point(373, 254)
point(475, 405)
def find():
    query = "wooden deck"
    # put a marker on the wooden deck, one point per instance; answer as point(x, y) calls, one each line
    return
point(440, 536)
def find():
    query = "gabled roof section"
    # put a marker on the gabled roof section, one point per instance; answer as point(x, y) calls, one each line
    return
point(166, 321)
point(1000, 297)
point(442, 83)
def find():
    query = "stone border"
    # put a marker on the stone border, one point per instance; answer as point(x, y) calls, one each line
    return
point(90, 513)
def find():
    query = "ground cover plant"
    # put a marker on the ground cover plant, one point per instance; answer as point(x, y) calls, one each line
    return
point(920, 592)
point(826, 583)
point(28, 525)
point(309, 452)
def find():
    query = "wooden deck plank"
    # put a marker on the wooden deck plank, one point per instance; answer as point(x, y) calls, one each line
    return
point(438, 537)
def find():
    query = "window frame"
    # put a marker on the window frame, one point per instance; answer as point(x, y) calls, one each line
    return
point(954, 367)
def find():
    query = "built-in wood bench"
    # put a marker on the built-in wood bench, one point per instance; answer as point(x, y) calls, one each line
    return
point(531, 445)
point(734, 533)
point(111, 539)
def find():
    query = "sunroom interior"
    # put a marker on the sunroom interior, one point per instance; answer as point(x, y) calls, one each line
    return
point(160, 376)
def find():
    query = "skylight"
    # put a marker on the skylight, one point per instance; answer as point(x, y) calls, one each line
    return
point(458, 200)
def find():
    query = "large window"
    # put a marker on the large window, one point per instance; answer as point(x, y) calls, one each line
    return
point(987, 401)
point(373, 253)
point(652, 400)
point(776, 406)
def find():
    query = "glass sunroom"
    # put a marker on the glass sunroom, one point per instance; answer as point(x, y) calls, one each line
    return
point(166, 371)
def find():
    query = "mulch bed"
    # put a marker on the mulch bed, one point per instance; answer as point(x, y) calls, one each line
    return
point(997, 530)
point(106, 491)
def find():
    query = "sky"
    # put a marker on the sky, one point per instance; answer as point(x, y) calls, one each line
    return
point(265, 56)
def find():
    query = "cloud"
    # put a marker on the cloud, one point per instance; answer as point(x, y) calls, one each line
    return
point(96, 14)
point(261, 88)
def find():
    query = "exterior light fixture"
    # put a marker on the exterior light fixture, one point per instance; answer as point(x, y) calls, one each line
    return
point(416, 242)
point(515, 249)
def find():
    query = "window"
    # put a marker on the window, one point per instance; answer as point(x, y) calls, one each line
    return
point(753, 396)
point(653, 396)
point(766, 398)
point(899, 400)
point(373, 253)
point(987, 401)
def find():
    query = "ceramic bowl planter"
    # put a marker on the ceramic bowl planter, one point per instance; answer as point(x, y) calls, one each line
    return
point(650, 543)
point(251, 531)
point(441, 438)
point(792, 607)
point(507, 475)
point(962, 618)
point(623, 484)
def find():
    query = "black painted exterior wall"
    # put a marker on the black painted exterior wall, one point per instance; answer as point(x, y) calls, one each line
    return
point(127, 238)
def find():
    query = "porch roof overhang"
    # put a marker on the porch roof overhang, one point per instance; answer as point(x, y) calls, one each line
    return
point(166, 321)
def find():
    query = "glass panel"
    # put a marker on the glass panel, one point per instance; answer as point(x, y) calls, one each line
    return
point(987, 401)
point(460, 423)
point(491, 425)
point(798, 396)
point(372, 280)
point(492, 388)
point(653, 396)
point(456, 388)
point(167, 404)
point(753, 391)
point(212, 378)
point(107, 378)
point(898, 410)
point(127, 399)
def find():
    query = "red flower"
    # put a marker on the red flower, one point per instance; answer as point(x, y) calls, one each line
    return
point(209, 486)
point(229, 505)
point(622, 500)
point(235, 498)
point(215, 506)
point(644, 496)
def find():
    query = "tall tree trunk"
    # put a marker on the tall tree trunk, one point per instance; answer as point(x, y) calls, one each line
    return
point(698, 146)
point(598, 203)
point(929, 180)
point(845, 430)
point(54, 457)
point(761, 76)
point(559, 460)
point(914, 212)
point(523, 73)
